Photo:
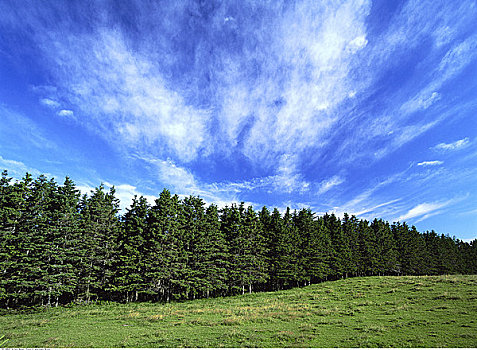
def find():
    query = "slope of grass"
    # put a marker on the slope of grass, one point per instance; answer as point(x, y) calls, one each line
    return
point(357, 312)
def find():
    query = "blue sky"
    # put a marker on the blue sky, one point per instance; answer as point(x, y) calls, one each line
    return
point(365, 107)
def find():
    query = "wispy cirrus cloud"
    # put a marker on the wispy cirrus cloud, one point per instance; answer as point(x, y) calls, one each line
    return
point(49, 102)
point(459, 144)
point(17, 169)
point(231, 100)
point(430, 163)
point(424, 210)
point(125, 97)
point(24, 130)
point(328, 184)
point(66, 113)
point(393, 125)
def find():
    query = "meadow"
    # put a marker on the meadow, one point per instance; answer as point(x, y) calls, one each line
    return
point(437, 311)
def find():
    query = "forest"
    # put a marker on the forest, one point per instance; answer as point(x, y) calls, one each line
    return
point(59, 247)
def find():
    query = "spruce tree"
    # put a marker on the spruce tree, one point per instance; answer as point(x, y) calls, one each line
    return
point(100, 228)
point(64, 242)
point(214, 250)
point(163, 247)
point(274, 238)
point(131, 267)
point(254, 258)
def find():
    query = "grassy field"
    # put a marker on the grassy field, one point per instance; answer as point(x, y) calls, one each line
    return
point(357, 312)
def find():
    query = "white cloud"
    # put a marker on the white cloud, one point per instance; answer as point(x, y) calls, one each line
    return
point(453, 146)
point(16, 169)
point(125, 193)
point(373, 208)
point(85, 189)
point(470, 212)
point(391, 128)
point(421, 102)
point(451, 64)
point(426, 210)
point(65, 113)
point(315, 50)
point(327, 185)
point(288, 178)
point(357, 43)
point(125, 96)
point(25, 130)
point(468, 240)
point(423, 209)
point(431, 163)
point(427, 216)
point(49, 103)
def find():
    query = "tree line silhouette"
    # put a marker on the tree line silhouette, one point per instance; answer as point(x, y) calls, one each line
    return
point(58, 247)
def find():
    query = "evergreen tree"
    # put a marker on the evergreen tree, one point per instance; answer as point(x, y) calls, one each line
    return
point(100, 229)
point(12, 208)
point(320, 252)
point(193, 248)
point(288, 272)
point(37, 233)
point(214, 251)
point(130, 270)
point(340, 252)
point(305, 228)
point(253, 260)
point(63, 242)
point(411, 249)
point(350, 230)
point(274, 226)
point(385, 249)
point(163, 247)
point(231, 225)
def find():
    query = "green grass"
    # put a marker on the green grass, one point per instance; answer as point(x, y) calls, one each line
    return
point(357, 312)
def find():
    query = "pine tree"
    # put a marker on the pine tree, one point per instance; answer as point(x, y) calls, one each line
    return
point(194, 247)
point(63, 242)
point(385, 249)
point(130, 269)
point(274, 227)
point(214, 251)
point(340, 252)
point(100, 228)
point(367, 243)
point(411, 249)
point(350, 229)
point(288, 272)
point(231, 225)
point(254, 258)
point(163, 247)
point(39, 250)
point(12, 200)
point(306, 228)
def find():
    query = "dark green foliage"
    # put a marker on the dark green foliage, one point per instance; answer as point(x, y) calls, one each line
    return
point(214, 264)
point(288, 244)
point(162, 248)
point(57, 248)
point(100, 229)
point(130, 263)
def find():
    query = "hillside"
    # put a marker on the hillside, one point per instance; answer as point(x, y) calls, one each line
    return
point(438, 311)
